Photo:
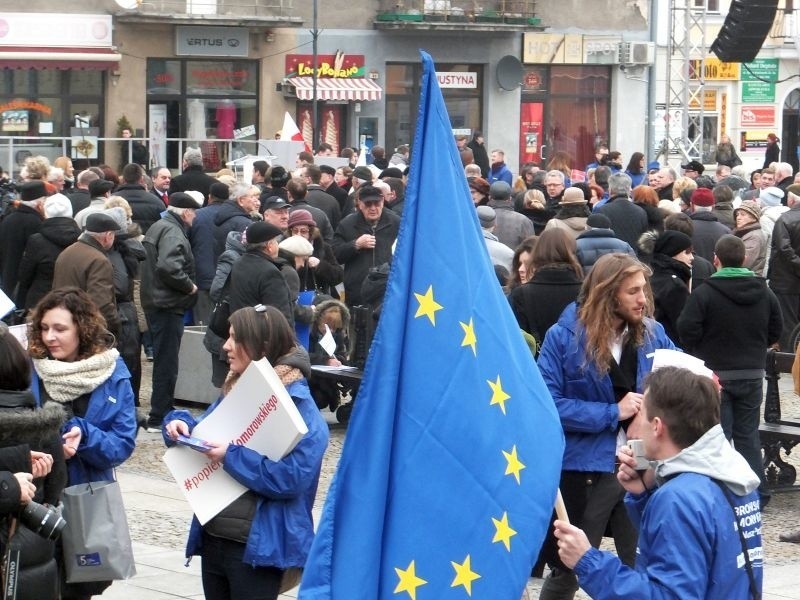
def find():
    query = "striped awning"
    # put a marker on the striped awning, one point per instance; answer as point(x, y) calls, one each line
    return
point(335, 89)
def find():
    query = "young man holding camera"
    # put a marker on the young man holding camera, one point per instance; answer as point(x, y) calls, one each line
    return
point(696, 507)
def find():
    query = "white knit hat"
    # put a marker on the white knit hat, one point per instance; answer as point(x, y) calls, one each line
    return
point(57, 205)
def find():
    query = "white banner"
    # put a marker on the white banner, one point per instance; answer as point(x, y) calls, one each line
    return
point(258, 413)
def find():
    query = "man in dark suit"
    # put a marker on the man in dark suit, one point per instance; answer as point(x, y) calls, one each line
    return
point(161, 177)
point(193, 177)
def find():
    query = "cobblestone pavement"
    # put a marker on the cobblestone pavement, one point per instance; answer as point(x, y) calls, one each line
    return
point(147, 526)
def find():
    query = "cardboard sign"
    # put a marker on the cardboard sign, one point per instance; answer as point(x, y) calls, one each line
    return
point(257, 413)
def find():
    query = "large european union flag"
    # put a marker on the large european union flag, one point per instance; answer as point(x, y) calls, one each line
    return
point(449, 472)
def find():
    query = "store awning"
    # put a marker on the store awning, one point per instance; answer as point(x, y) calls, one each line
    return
point(19, 57)
point(335, 89)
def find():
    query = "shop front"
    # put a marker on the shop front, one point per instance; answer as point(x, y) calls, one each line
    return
point(206, 96)
point(566, 97)
point(342, 84)
point(462, 88)
point(52, 86)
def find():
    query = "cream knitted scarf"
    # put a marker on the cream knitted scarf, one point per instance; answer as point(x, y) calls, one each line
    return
point(65, 381)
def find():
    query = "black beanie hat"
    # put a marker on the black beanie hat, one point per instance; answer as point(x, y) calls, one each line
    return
point(672, 242)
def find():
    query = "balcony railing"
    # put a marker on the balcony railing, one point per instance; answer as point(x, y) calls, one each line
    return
point(458, 12)
point(280, 10)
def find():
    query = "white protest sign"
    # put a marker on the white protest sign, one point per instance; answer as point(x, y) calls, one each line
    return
point(6, 305)
point(257, 413)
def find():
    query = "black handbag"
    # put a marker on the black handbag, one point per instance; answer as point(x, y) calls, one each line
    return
point(218, 323)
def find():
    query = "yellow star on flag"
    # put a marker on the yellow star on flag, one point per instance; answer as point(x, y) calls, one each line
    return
point(498, 394)
point(469, 336)
point(427, 305)
point(464, 575)
point(514, 463)
point(503, 531)
point(409, 582)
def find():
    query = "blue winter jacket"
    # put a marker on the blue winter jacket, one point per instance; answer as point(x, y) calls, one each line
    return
point(688, 548)
point(584, 397)
point(201, 237)
point(501, 174)
point(283, 528)
point(108, 430)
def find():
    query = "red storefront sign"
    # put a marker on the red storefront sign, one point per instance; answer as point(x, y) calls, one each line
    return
point(757, 116)
point(339, 65)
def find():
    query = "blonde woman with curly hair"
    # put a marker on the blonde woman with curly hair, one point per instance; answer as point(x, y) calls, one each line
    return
point(37, 167)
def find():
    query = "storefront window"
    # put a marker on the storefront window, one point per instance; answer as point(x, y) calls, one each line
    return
point(221, 77)
point(163, 76)
point(462, 88)
point(84, 83)
point(47, 104)
point(202, 101)
point(565, 109)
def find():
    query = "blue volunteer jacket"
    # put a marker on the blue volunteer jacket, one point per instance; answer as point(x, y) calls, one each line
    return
point(282, 529)
point(108, 430)
point(584, 397)
point(689, 545)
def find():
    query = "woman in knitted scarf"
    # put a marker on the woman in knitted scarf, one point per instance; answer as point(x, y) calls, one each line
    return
point(254, 546)
point(76, 366)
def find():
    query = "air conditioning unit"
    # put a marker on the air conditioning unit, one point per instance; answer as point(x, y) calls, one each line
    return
point(637, 53)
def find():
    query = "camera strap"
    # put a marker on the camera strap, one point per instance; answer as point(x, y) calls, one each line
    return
point(11, 564)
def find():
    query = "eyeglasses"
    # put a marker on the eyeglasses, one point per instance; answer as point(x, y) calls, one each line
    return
point(371, 202)
point(300, 230)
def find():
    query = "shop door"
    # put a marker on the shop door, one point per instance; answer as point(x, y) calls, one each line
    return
point(164, 120)
point(790, 151)
point(531, 129)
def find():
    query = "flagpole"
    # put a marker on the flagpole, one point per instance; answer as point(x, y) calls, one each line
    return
point(314, 114)
point(561, 510)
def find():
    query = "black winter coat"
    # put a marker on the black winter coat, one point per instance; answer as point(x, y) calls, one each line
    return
point(22, 424)
point(15, 229)
point(328, 273)
point(538, 304)
point(80, 199)
point(193, 178)
point(357, 263)
point(707, 230)
point(628, 220)
point(146, 206)
point(257, 279)
point(670, 285)
point(322, 200)
point(729, 322)
point(38, 264)
point(784, 257)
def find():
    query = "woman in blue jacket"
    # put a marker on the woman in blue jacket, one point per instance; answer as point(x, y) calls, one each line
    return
point(248, 547)
point(76, 366)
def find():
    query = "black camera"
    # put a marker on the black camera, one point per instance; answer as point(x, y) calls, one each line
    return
point(44, 520)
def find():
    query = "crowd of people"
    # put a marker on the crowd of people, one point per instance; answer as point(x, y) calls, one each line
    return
point(108, 268)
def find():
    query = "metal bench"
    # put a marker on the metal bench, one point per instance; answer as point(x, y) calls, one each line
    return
point(777, 434)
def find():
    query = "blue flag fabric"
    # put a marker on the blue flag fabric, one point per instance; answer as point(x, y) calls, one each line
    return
point(449, 473)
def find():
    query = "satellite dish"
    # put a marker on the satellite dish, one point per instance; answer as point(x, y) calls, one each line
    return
point(509, 73)
point(128, 4)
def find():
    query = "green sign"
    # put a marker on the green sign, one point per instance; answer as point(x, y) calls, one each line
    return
point(758, 80)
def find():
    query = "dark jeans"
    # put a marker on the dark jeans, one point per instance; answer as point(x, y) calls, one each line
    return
point(166, 329)
point(593, 502)
point(226, 577)
point(740, 415)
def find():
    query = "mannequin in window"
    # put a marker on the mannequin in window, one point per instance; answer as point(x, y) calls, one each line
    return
point(226, 119)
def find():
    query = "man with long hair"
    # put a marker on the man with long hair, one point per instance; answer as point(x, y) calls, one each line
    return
point(594, 361)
